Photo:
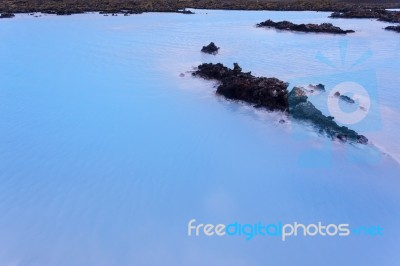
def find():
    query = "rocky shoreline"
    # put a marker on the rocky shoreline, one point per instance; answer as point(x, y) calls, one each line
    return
point(68, 7)
point(316, 28)
point(273, 95)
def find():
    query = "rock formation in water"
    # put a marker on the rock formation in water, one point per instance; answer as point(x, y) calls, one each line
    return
point(317, 28)
point(318, 87)
point(393, 28)
point(272, 94)
point(210, 49)
point(344, 97)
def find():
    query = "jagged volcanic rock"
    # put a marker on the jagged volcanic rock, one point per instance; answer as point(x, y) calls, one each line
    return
point(210, 49)
point(318, 28)
point(272, 94)
point(302, 109)
point(319, 87)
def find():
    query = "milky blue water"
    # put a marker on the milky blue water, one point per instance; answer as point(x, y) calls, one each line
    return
point(106, 152)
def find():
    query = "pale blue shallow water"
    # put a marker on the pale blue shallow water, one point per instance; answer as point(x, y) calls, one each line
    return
point(106, 153)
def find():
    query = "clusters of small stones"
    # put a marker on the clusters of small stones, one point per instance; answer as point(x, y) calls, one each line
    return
point(272, 94)
point(317, 28)
point(393, 28)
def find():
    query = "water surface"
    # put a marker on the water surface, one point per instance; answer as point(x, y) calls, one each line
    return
point(106, 152)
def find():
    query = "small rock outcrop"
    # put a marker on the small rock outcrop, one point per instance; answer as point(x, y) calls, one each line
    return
point(318, 87)
point(7, 15)
point(185, 11)
point(210, 49)
point(317, 28)
point(272, 94)
point(393, 28)
point(344, 97)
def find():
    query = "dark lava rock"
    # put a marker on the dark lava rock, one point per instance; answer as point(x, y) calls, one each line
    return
point(185, 11)
point(302, 109)
point(7, 15)
point(393, 28)
point(344, 97)
point(318, 28)
point(319, 87)
point(210, 49)
point(342, 137)
point(63, 13)
point(272, 94)
point(236, 69)
point(380, 14)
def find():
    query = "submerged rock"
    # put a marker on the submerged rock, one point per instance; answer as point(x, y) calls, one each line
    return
point(318, 28)
point(7, 15)
point(272, 94)
point(393, 28)
point(302, 109)
point(344, 97)
point(210, 49)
